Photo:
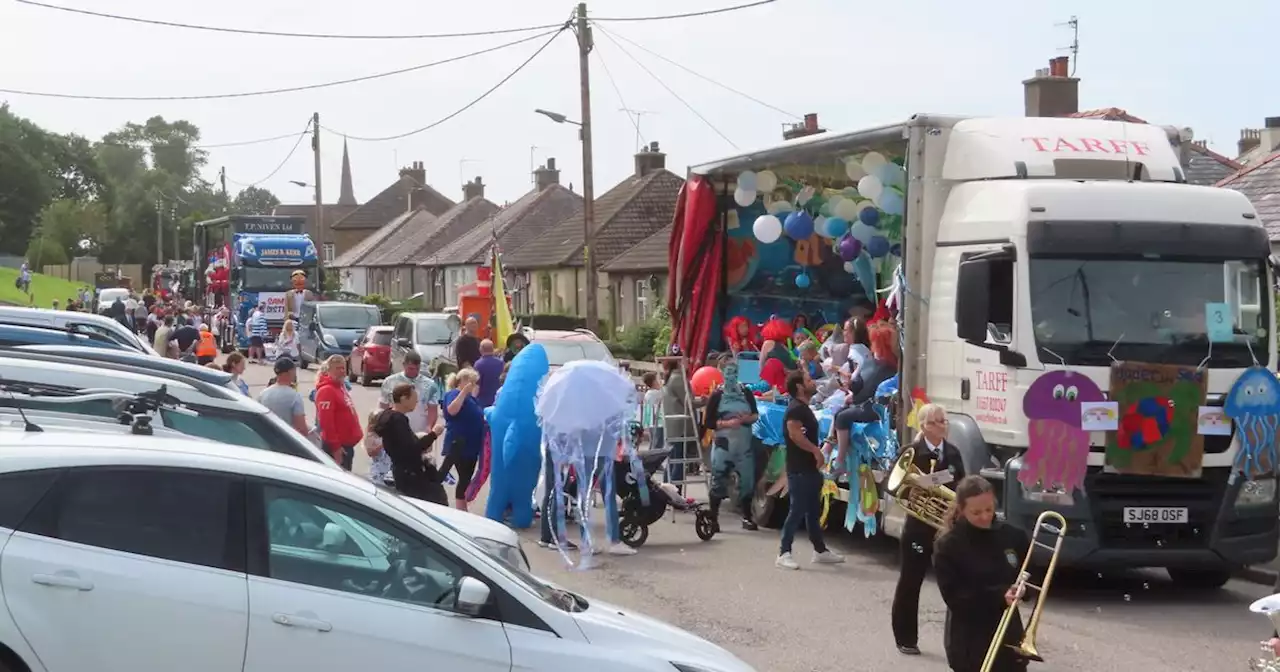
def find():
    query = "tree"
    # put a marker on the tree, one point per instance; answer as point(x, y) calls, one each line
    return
point(66, 229)
point(254, 201)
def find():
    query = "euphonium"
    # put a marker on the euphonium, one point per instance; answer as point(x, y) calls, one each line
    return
point(1027, 647)
point(912, 491)
point(1269, 606)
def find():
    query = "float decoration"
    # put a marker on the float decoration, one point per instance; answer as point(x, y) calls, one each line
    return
point(1159, 408)
point(1254, 405)
point(1057, 444)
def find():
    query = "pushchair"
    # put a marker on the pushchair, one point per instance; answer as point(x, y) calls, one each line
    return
point(634, 518)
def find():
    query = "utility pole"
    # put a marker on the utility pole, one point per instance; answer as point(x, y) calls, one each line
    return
point(159, 231)
point(317, 229)
point(588, 182)
point(177, 231)
point(222, 178)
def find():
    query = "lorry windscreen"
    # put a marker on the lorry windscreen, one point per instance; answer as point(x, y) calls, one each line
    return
point(1087, 310)
point(272, 278)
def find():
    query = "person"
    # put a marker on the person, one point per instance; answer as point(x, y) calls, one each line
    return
point(428, 411)
point(411, 466)
point(933, 454)
point(976, 562)
point(185, 338)
point(235, 366)
point(118, 312)
point(490, 368)
point(809, 359)
point(855, 334)
point(138, 313)
point(207, 347)
point(257, 326)
point(651, 410)
point(731, 410)
point(380, 461)
point(880, 366)
point(336, 413)
point(287, 341)
point(464, 420)
point(466, 349)
point(678, 427)
point(804, 478)
point(282, 399)
point(161, 341)
point(515, 343)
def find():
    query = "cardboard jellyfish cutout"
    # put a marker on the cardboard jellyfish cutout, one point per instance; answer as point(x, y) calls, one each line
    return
point(1057, 445)
point(1254, 405)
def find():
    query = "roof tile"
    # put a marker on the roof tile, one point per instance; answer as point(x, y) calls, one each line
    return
point(1260, 182)
point(419, 241)
point(514, 225)
point(649, 255)
point(355, 255)
point(390, 203)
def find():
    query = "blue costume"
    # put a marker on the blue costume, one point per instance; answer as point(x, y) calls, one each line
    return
point(733, 450)
point(516, 439)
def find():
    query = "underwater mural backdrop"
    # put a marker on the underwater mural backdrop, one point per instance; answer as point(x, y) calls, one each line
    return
point(1159, 408)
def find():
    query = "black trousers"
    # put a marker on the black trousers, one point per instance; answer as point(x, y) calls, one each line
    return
point(915, 557)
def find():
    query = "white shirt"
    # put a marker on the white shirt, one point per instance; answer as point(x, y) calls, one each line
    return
point(936, 450)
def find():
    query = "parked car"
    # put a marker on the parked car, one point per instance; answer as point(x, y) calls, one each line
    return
point(128, 360)
point(234, 559)
point(331, 328)
point(75, 321)
point(431, 335)
point(371, 356)
point(14, 335)
point(568, 346)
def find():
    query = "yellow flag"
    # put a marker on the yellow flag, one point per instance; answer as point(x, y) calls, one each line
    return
point(503, 324)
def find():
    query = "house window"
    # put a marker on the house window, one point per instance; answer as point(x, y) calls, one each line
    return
point(328, 252)
point(642, 300)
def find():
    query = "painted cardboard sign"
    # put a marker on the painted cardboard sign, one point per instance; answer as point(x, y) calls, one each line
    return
point(1159, 420)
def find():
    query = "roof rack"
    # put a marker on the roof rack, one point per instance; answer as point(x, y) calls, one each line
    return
point(134, 409)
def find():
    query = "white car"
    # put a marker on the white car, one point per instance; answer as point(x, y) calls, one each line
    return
point(154, 553)
point(76, 321)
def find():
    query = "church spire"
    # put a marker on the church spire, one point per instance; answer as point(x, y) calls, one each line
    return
point(347, 195)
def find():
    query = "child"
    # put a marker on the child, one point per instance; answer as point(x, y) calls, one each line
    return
point(651, 410)
point(381, 465)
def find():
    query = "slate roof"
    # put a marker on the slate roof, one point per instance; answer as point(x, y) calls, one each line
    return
point(633, 210)
point(354, 256)
point(1202, 165)
point(391, 203)
point(333, 212)
point(648, 256)
point(1260, 182)
point(420, 240)
point(514, 226)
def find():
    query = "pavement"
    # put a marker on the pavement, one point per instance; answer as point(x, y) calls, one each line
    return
point(823, 618)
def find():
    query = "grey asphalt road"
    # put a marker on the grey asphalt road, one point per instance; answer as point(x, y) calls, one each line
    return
point(837, 617)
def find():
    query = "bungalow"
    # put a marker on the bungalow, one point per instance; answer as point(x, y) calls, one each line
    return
point(409, 192)
point(637, 279)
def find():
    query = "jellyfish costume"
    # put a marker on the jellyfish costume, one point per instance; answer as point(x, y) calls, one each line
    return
point(1057, 446)
point(583, 409)
point(1253, 404)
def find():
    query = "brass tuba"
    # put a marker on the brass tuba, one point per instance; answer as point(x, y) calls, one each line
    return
point(1268, 606)
point(1027, 647)
point(922, 500)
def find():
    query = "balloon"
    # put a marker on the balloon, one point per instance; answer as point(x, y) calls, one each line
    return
point(779, 207)
point(870, 186)
point(848, 267)
point(805, 194)
point(846, 209)
point(853, 169)
point(820, 226)
point(870, 163)
point(705, 380)
point(802, 281)
point(869, 216)
point(891, 174)
point(743, 197)
point(767, 228)
point(878, 247)
point(799, 225)
point(747, 181)
point(766, 181)
point(834, 227)
point(891, 202)
point(896, 249)
point(832, 203)
point(862, 233)
point(849, 248)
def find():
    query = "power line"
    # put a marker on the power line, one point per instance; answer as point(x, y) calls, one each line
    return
point(278, 168)
point(701, 76)
point(291, 89)
point(609, 75)
point(669, 89)
point(216, 145)
point(686, 15)
point(460, 110)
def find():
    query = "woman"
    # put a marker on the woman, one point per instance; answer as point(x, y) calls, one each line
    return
point(515, 343)
point(465, 421)
point(880, 365)
point(206, 348)
point(287, 341)
point(235, 366)
point(976, 564)
point(858, 338)
point(411, 466)
point(933, 454)
point(739, 335)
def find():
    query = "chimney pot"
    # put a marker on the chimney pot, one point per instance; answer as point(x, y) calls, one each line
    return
point(1052, 92)
point(546, 176)
point(650, 159)
point(551, 163)
point(807, 127)
point(811, 122)
point(474, 189)
point(416, 171)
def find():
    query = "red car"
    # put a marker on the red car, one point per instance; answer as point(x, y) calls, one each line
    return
point(371, 356)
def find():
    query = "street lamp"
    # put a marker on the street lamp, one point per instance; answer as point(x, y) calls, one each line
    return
point(300, 183)
point(588, 208)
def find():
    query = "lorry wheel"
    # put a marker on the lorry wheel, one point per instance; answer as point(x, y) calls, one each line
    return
point(1199, 579)
point(767, 510)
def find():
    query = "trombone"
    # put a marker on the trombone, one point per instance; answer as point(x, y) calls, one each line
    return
point(1027, 647)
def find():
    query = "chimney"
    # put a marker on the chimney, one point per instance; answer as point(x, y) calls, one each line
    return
point(1052, 92)
point(1270, 136)
point(805, 128)
point(473, 189)
point(546, 175)
point(417, 198)
point(649, 159)
point(1249, 139)
point(416, 171)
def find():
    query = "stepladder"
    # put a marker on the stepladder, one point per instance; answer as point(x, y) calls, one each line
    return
point(686, 465)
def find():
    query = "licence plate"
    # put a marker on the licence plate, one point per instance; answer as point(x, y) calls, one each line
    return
point(1155, 514)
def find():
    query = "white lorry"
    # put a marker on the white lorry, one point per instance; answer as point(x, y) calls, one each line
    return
point(1035, 244)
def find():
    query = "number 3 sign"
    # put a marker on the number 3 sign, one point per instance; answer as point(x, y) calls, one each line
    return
point(1218, 322)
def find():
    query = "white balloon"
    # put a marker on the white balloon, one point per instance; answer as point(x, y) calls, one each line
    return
point(862, 232)
point(747, 180)
point(853, 169)
point(870, 186)
point(818, 223)
point(743, 197)
point(779, 207)
point(847, 209)
point(870, 162)
point(766, 181)
point(848, 267)
point(767, 228)
point(805, 195)
point(834, 201)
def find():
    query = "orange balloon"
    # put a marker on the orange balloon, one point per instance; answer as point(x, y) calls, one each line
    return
point(705, 380)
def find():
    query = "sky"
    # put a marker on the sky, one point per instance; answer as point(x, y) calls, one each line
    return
point(855, 64)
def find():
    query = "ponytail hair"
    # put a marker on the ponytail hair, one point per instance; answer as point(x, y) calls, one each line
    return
point(968, 488)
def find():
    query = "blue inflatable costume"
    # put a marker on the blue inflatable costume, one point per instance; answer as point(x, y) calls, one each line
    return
point(516, 440)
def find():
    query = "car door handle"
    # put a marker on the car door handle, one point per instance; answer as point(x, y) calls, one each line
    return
point(62, 581)
point(292, 621)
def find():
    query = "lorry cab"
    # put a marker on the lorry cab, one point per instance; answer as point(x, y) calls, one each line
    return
point(332, 327)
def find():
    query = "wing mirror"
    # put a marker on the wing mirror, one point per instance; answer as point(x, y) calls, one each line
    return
point(403, 342)
point(473, 595)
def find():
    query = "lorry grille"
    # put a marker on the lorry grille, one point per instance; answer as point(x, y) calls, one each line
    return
point(1109, 494)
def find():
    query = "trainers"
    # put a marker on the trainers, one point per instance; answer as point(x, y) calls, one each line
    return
point(785, 561)
point(827, 557)
point(750, 525)
point(569, 545)
point(908, 650)
point(621, 549)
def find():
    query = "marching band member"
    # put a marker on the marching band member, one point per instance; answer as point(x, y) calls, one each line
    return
point(976, 562)
point(932, 454)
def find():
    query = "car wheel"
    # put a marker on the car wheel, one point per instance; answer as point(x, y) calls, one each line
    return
point(1199, 579)
point(366, 379)
point(767, 510)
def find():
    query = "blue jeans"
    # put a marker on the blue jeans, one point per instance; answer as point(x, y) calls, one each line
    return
point(551, 503)
point(804, 489)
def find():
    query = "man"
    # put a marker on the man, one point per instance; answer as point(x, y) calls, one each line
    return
point(804, 478)
point(257, 326)
point(428, 411)
point(731, 410)
point(161, 341)
point(490, 367)
point(185, 337)
point(131, 312)
point(466, 349)
point(340, 426)
point(283, 400)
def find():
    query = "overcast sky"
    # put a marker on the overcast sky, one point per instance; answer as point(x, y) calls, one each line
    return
point(856, 64)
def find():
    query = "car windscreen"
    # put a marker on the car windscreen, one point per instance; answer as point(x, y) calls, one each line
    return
point(347, 317)
point(560, 353)
point(434, 332)
point(381, 338)
point(271, 278)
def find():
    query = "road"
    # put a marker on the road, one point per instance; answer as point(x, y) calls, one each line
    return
point(825, 618)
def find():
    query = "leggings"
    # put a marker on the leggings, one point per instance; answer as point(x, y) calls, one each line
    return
point(466, 471)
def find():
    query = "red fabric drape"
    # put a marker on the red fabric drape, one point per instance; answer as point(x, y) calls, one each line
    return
point(696, 255)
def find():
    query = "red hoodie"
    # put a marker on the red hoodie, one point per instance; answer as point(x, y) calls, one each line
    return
point(336, 413)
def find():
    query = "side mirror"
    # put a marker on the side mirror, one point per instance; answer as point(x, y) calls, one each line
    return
point(973, 300)
point(473, 595)
point(454, 322)
point(403, 342)
point(334, 538)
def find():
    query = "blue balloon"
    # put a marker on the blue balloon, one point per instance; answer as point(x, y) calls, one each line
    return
point(835, 227)
point(869, 216)
point(896, 250)
point(799, 225)
point(516, 451)
point(891, 202)
point(878, 247)
point(891, 174)
point(802, 281)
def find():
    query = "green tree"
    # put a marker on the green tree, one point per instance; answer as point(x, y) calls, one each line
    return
point(254, 201)
point(67, 227)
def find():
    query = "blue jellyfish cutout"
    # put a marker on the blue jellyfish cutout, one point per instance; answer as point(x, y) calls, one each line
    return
point(1254, 405)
